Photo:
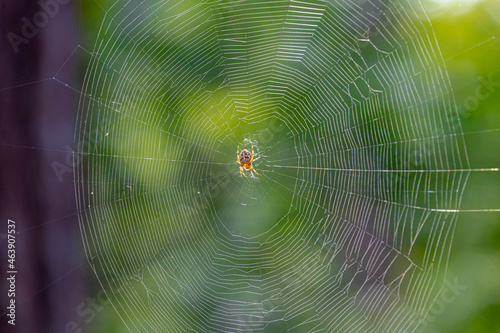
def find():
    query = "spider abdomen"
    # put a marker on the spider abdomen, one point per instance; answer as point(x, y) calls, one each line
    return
point(245, 158)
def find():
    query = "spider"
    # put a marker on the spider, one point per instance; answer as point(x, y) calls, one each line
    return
point(245, 159)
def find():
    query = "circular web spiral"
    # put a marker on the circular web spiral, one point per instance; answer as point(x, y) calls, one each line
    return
point(347, 226)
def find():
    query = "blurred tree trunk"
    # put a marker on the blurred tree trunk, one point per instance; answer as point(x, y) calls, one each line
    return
point(36, 121)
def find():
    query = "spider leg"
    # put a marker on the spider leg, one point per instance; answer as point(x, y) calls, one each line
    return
point(254, 171)
point(252, 150)
point(253, 154)
point(242, 173)
point(238, 155)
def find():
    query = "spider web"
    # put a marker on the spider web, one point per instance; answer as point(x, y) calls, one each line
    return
point(349, 224)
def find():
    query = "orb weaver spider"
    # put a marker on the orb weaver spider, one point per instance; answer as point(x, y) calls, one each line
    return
point(245, 160)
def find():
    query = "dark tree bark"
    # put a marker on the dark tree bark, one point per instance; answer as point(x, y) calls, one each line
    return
point(37, 121)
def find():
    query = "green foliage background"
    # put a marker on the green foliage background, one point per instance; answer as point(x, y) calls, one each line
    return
point(469, 38)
